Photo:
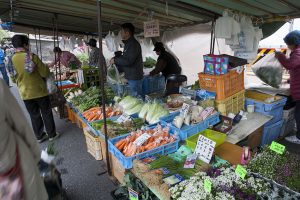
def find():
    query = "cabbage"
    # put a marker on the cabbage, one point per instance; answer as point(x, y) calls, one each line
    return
point(151, 112)
point(144, 110)
point(128, 102)
point(155, 112)
point(137, 108)
point(161, 112)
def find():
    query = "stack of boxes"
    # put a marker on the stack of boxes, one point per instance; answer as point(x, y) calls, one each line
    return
point(268, 105)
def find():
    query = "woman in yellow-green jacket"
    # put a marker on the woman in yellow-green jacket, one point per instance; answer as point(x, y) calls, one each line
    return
point(30, 74)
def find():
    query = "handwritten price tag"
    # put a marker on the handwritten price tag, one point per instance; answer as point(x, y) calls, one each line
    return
point(123, 118)
point(142, 139)
point(241, 171)
point(133, 195)
point(207, 185)
point(185, 109)
point(205, 148)
point(278, 148)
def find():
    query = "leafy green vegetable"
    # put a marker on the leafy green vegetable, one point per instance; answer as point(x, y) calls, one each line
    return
point(149, 63)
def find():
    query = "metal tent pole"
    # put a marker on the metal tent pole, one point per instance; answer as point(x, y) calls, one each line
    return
point(102, 77)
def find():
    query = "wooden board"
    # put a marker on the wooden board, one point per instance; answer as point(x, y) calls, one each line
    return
point(230, 152)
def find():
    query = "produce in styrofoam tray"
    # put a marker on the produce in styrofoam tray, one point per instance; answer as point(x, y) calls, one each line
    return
point(133, 143)
point(195, 115)
point(96, 113)
point(175, 102)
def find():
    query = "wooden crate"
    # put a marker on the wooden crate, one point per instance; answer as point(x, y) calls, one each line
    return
point(93, 145)
point(117, 170)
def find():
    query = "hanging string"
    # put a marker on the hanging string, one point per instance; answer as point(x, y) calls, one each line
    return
point(167, 8)
point(36, 43)
point(41, 54)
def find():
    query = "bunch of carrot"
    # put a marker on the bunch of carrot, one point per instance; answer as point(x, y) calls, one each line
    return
point(159, 136)
point(96, 113)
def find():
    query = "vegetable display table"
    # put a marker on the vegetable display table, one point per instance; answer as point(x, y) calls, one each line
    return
point(246, 127)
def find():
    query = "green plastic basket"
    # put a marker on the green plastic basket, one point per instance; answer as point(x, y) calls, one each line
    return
point(218, 137)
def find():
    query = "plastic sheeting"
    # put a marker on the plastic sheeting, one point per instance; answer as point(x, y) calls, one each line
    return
point(189, 44)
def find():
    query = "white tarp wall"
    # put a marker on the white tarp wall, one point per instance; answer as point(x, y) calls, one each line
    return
point(189, 44)
point(276, 39)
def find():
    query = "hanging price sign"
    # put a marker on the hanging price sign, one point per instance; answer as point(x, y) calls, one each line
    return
point(151, 29)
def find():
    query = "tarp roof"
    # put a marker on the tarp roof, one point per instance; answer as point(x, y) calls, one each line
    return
point(80, 15)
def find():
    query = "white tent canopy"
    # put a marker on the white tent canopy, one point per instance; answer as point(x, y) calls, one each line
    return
point(276, 39)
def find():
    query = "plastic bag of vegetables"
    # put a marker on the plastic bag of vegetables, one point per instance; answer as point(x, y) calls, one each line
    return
point(269, 70)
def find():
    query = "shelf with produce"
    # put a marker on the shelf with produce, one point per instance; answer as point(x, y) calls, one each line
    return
point(115, 129)
point(127, 149)
point(177, 122)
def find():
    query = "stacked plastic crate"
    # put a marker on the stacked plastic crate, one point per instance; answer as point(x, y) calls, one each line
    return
point(268, 105)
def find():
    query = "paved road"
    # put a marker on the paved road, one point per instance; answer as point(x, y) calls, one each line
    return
point(79, 169)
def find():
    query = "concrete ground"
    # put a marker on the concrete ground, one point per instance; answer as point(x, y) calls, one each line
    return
point(80, 171)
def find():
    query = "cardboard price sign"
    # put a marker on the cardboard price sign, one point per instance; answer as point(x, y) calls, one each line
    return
point(205, 149)
point(185, 109)
point(151, 29)
point(241, 171)
point(133, 195)
point(123, 118)
point(278, 148)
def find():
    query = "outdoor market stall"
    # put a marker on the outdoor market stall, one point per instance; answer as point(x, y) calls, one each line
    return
point(184, 146)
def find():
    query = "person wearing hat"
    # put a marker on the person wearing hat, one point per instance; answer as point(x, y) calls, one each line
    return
point(166, 63)
point(293, 65)
point(94, 54)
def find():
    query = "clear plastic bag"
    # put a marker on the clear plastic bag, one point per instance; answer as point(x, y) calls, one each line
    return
point(51, 86)
point(269, 70)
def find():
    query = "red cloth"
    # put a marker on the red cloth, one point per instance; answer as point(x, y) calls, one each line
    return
point(293, 65)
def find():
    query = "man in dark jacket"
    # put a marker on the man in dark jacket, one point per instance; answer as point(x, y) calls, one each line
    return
point(131, 61)
point(166, 62)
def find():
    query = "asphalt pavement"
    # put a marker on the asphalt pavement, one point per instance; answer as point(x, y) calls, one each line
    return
point(80, 171)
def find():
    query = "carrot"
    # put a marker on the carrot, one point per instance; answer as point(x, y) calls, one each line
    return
point(95, 117)
point(149, 145)
point(91, 117)
point(119, 143)
point(122, 146)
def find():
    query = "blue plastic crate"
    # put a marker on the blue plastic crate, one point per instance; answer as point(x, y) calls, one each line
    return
point(271, 133)
point(126, 162)
point(120, 90)
point(153, 84)
point(273, 109)
point(187, 131)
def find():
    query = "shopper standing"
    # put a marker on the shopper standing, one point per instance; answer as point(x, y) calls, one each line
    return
point(20, 153)
point(293, 65)
point(2, 67)
point(131, 60)
point(94, 54)
point(66, 58)
point(30, 79)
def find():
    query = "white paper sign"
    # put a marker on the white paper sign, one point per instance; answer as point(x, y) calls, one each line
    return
point(151, 29)
point(123, 118)
point(142, 139)
point(205, 148)
point(185, 109)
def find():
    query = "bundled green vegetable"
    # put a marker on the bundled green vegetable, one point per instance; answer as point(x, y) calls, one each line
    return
point(115, 129)
point(149, 63)
point(91, 98)
point(175, 166)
